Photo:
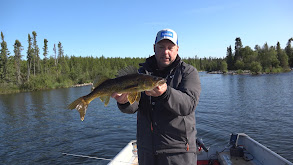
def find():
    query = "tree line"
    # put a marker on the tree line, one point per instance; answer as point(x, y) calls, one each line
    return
point(58, 70)
point(265, 59)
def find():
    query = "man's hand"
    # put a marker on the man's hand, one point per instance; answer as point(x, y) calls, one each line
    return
point(158, 91)
point(120, 98)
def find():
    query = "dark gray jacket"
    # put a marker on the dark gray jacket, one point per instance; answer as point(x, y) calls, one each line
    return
point(166, 124)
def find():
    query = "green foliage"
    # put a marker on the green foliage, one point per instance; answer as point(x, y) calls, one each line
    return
point(276, 70)
point(224, 67)
point(270, 59)
point(239, 71)
point(282, 57)
point(238, 47)
point(4, 53)
point(230, 58)
point(206, 64)
point(60, 70)
point(289, 52)
point(6, 88)
point(239, 65)
point(255, 67)
point(17, 59)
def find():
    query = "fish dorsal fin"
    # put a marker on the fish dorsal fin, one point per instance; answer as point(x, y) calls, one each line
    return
point(127, 70)
point(99, 80)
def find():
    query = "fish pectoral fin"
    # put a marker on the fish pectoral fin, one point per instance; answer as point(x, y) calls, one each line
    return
point(105, 99)
point(132, 97)
point(138, 97)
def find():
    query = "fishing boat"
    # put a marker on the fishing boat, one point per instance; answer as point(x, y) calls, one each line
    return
point(241, 150)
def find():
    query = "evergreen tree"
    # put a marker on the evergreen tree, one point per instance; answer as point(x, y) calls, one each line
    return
point(36, 58)
point(3, 59)
point(230, 58)
point(289, 52)
point(263, 56)
point(55, 54)
point(29, 56)
point(268, 58)
point(63, 60)
point(45, 49)
point(60, 51)
point(17, 58)
point(238, 46)
point(282, 57)
point(257, 48)
point(275, 63)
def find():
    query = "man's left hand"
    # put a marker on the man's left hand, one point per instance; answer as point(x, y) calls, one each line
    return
point(158, 91)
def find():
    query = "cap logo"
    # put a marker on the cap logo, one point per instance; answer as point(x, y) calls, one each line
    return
point(167, 34)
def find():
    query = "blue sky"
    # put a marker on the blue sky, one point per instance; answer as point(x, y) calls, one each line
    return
point(127, 28)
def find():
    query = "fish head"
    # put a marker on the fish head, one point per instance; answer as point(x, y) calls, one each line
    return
point(154, 81)
point(148, 82)
point(159, 81)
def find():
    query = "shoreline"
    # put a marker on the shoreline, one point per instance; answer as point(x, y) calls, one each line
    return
point(80, 85)
point(243, 72)
point(13, 91)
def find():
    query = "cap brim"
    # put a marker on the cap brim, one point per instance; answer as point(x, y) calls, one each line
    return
point(167, 39)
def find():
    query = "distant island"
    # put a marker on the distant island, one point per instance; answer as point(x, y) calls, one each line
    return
point(30, 72)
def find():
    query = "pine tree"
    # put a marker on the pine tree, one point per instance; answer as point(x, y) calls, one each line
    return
point(263, 56)
point(3, 59)
point(36, 58)
point(60, 51)
point(282, 57)
point(229, 58)
point(62, 60)
point(45, 49)
point(55, 57)
point(17, 58)
point(238, 46)
point(29, 56)
point(289, 52)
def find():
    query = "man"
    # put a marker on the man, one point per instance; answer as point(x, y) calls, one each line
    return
point(166, 132)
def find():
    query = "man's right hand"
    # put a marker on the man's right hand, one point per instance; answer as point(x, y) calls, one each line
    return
point(121, 98)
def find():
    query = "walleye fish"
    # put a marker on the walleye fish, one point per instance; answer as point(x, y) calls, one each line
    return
point(127, 81)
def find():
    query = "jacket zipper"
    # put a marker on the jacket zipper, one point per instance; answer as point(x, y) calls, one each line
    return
point(187, 145)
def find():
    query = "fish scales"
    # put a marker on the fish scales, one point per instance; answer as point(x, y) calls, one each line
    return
point(132, 84)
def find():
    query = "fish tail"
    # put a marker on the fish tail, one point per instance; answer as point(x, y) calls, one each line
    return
point(81, 105)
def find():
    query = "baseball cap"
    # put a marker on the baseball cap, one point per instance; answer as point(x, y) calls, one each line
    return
point(167, 34)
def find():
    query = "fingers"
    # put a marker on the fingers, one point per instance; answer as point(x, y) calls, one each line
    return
point(158, 91)
point(114, 95)
point(150, 93)
point(120, 97)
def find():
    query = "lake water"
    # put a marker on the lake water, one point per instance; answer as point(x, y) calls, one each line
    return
point(36, 127)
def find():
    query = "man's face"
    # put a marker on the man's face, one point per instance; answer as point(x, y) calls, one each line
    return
point(166, 52)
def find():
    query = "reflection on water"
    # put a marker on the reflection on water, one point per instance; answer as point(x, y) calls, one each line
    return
point(36, 127)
